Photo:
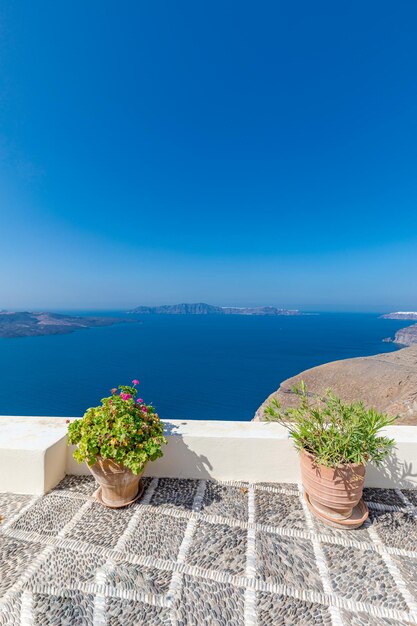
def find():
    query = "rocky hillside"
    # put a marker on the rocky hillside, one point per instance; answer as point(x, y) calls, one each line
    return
point(406, 336)
point(387, 382)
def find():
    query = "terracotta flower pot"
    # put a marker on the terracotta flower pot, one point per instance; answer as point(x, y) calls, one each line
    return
point(333, 493)
point(119, 486)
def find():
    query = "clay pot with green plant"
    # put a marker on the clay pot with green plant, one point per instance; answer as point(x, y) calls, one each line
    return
point(116, 439)
point(336, 440)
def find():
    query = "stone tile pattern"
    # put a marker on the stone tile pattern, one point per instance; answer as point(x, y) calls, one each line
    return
point(203, 553)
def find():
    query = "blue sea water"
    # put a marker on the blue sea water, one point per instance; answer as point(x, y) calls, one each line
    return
point(190, 367)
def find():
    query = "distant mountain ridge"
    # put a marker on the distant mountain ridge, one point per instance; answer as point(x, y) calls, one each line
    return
point(201, 308)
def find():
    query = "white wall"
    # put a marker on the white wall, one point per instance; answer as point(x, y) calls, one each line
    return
point(258, 451)
point(34, 455)
point(253, 451)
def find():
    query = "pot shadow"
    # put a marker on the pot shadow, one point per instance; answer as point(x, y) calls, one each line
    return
point(177, 484)
point(393, 473)
point(396, 475)
point(196, 465)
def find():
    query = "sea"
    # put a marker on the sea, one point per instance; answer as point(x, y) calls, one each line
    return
point(189, 366)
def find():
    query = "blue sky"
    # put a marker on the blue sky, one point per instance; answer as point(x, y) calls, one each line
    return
point(231, 152)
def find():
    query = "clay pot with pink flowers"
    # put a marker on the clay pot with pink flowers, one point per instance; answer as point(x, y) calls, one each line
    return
point(117, 439)
point(336, 441)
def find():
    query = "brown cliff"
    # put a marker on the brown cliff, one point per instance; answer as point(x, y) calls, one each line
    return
point(387, 382)
point(406, 336)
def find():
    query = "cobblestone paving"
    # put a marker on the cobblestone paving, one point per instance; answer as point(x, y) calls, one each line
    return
point(202, 553)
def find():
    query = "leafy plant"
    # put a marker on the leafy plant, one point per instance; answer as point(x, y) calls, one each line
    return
point(333, 431)
point(122, 428)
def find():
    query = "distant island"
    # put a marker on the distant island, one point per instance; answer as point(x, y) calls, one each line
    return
point(405, 336)
point(30, 324)
point(400, 315)
point(201, 308)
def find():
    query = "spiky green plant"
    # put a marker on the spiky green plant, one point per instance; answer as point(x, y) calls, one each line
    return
point(333, 431)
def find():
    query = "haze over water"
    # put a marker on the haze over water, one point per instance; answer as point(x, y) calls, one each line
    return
point(190, 367)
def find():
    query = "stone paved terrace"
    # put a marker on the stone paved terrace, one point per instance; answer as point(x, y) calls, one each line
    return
point(201, 553)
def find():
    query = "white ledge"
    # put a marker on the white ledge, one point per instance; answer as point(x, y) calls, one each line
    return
point(34, 455)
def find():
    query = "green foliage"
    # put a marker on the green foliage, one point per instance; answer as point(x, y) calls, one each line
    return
point(122, 429)
point(333, 431)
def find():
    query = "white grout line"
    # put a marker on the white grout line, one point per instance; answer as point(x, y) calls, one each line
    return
point(230, 483)
point(31, 569)
point(288, 491)
point(396, 575)
point(99, 608)
point(105, 591)
point(335, 614)
point(134, 520)
point(26, 609)
point(379, 506)
point(74, 520)
point(5, 525)
point(408, 504)
point(26, 613)
point(188, 535)
point(8, 612)
point(72, 495)
point(250, 617)
point(176, 579)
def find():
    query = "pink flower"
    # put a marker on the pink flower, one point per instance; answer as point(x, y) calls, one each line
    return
point(139, 400)
point(135, 381)
point(125, 396)
point(144, 409)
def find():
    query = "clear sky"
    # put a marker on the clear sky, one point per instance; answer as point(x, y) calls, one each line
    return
point(230, 152)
